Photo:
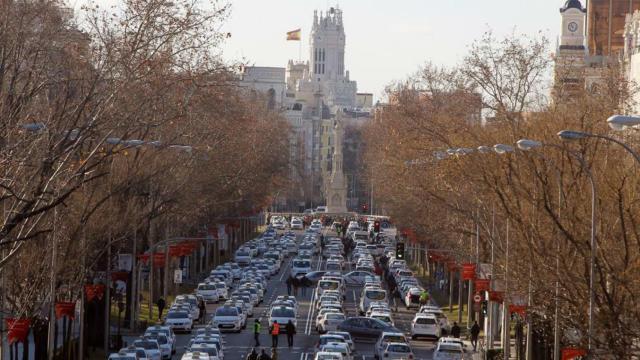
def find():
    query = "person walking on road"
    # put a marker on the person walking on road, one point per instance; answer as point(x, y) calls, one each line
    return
point(291, 330)
point(295, 282)
point(475, 331)
point(275, 331)
point(264, 356)
point(289, 283)
point(424, 298)
point(455, 330)
point(160, 304)
point(253, 355)
point(256, 331)
point(203, 312)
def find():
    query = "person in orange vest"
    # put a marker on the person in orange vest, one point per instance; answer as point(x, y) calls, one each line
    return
point(275, 331)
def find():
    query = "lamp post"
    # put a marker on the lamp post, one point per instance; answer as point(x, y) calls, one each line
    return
point(578, 135)
point(622, 122)
point(528, 145)
point(569, 135)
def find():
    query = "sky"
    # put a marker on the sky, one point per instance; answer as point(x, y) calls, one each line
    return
point(387, 40)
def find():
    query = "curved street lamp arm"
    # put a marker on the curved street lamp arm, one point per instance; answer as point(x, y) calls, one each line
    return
point(625, 146)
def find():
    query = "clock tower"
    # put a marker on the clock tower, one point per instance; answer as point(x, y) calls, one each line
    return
point(571, 54)
point(573, 26)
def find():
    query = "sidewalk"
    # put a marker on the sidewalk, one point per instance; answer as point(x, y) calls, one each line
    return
point(479, 354)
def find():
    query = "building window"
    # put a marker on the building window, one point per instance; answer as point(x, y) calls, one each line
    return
point(322, 54)
point(322, 68)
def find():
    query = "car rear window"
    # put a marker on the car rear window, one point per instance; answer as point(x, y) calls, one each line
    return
point(394, 338)
point(226, 311)
point(288, 313)
point(206, 287)
point(425, 321)
point(398, 348)
point(328, 285)
point(375, 294)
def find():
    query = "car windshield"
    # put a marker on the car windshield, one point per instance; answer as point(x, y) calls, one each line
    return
point(206, 287)
point(301, 264)
point(279, 312)
point(220, 286)
point(242, 253)
point(375, 294)
point(226, 311)
point(177, 315)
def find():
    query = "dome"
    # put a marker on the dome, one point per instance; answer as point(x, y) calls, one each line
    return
point(572, 4)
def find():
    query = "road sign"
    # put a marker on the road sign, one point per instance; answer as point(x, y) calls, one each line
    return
point(477, 298)
point(177, 276)
point(477, 307)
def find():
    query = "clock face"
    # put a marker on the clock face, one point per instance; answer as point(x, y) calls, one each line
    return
point(573, 26)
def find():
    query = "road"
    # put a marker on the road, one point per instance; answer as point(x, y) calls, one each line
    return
point(239, 345)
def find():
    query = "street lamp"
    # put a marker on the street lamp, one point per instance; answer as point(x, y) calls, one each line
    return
point(503, 149)
point(578, 135)
point(621, 122)
point(528, 145)
point(574, 135)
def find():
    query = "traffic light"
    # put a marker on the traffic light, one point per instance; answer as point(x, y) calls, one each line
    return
point(400, 251)
point(376, 226)
point(364, 208)
point(485, 308)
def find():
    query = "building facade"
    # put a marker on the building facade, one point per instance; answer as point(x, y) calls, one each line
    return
point(313, 95)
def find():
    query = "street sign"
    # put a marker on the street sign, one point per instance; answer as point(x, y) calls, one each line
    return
point(477, 307)
point(177, 276)
point(477, 298)
point(125, 262)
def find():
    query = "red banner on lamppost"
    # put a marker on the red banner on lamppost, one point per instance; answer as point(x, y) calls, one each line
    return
point(17, 330)
point(67, 309)
point(572, 353)
point(518, 309)
point(468, 271)
point(482, 284)
point(94, 292)
point(496, 296)
point(158, 260)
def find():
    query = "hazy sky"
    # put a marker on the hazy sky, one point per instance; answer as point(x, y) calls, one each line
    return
point(386, 39)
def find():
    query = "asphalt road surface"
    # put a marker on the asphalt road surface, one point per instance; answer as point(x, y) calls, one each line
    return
point(238, 345)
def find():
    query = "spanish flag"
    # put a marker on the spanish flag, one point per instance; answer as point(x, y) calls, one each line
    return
point(294, 35)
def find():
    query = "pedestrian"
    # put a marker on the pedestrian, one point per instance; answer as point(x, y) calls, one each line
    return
point(160, 304)
point(291, 330)
point(289, 282)
point(424, 297)
point(475, 331)
point(256, 331)
point(275, 331)
point(253, 355)
point(274, 354)
point(203, 312)
point(295, 282)
point(263, 355)
point(455, 330)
